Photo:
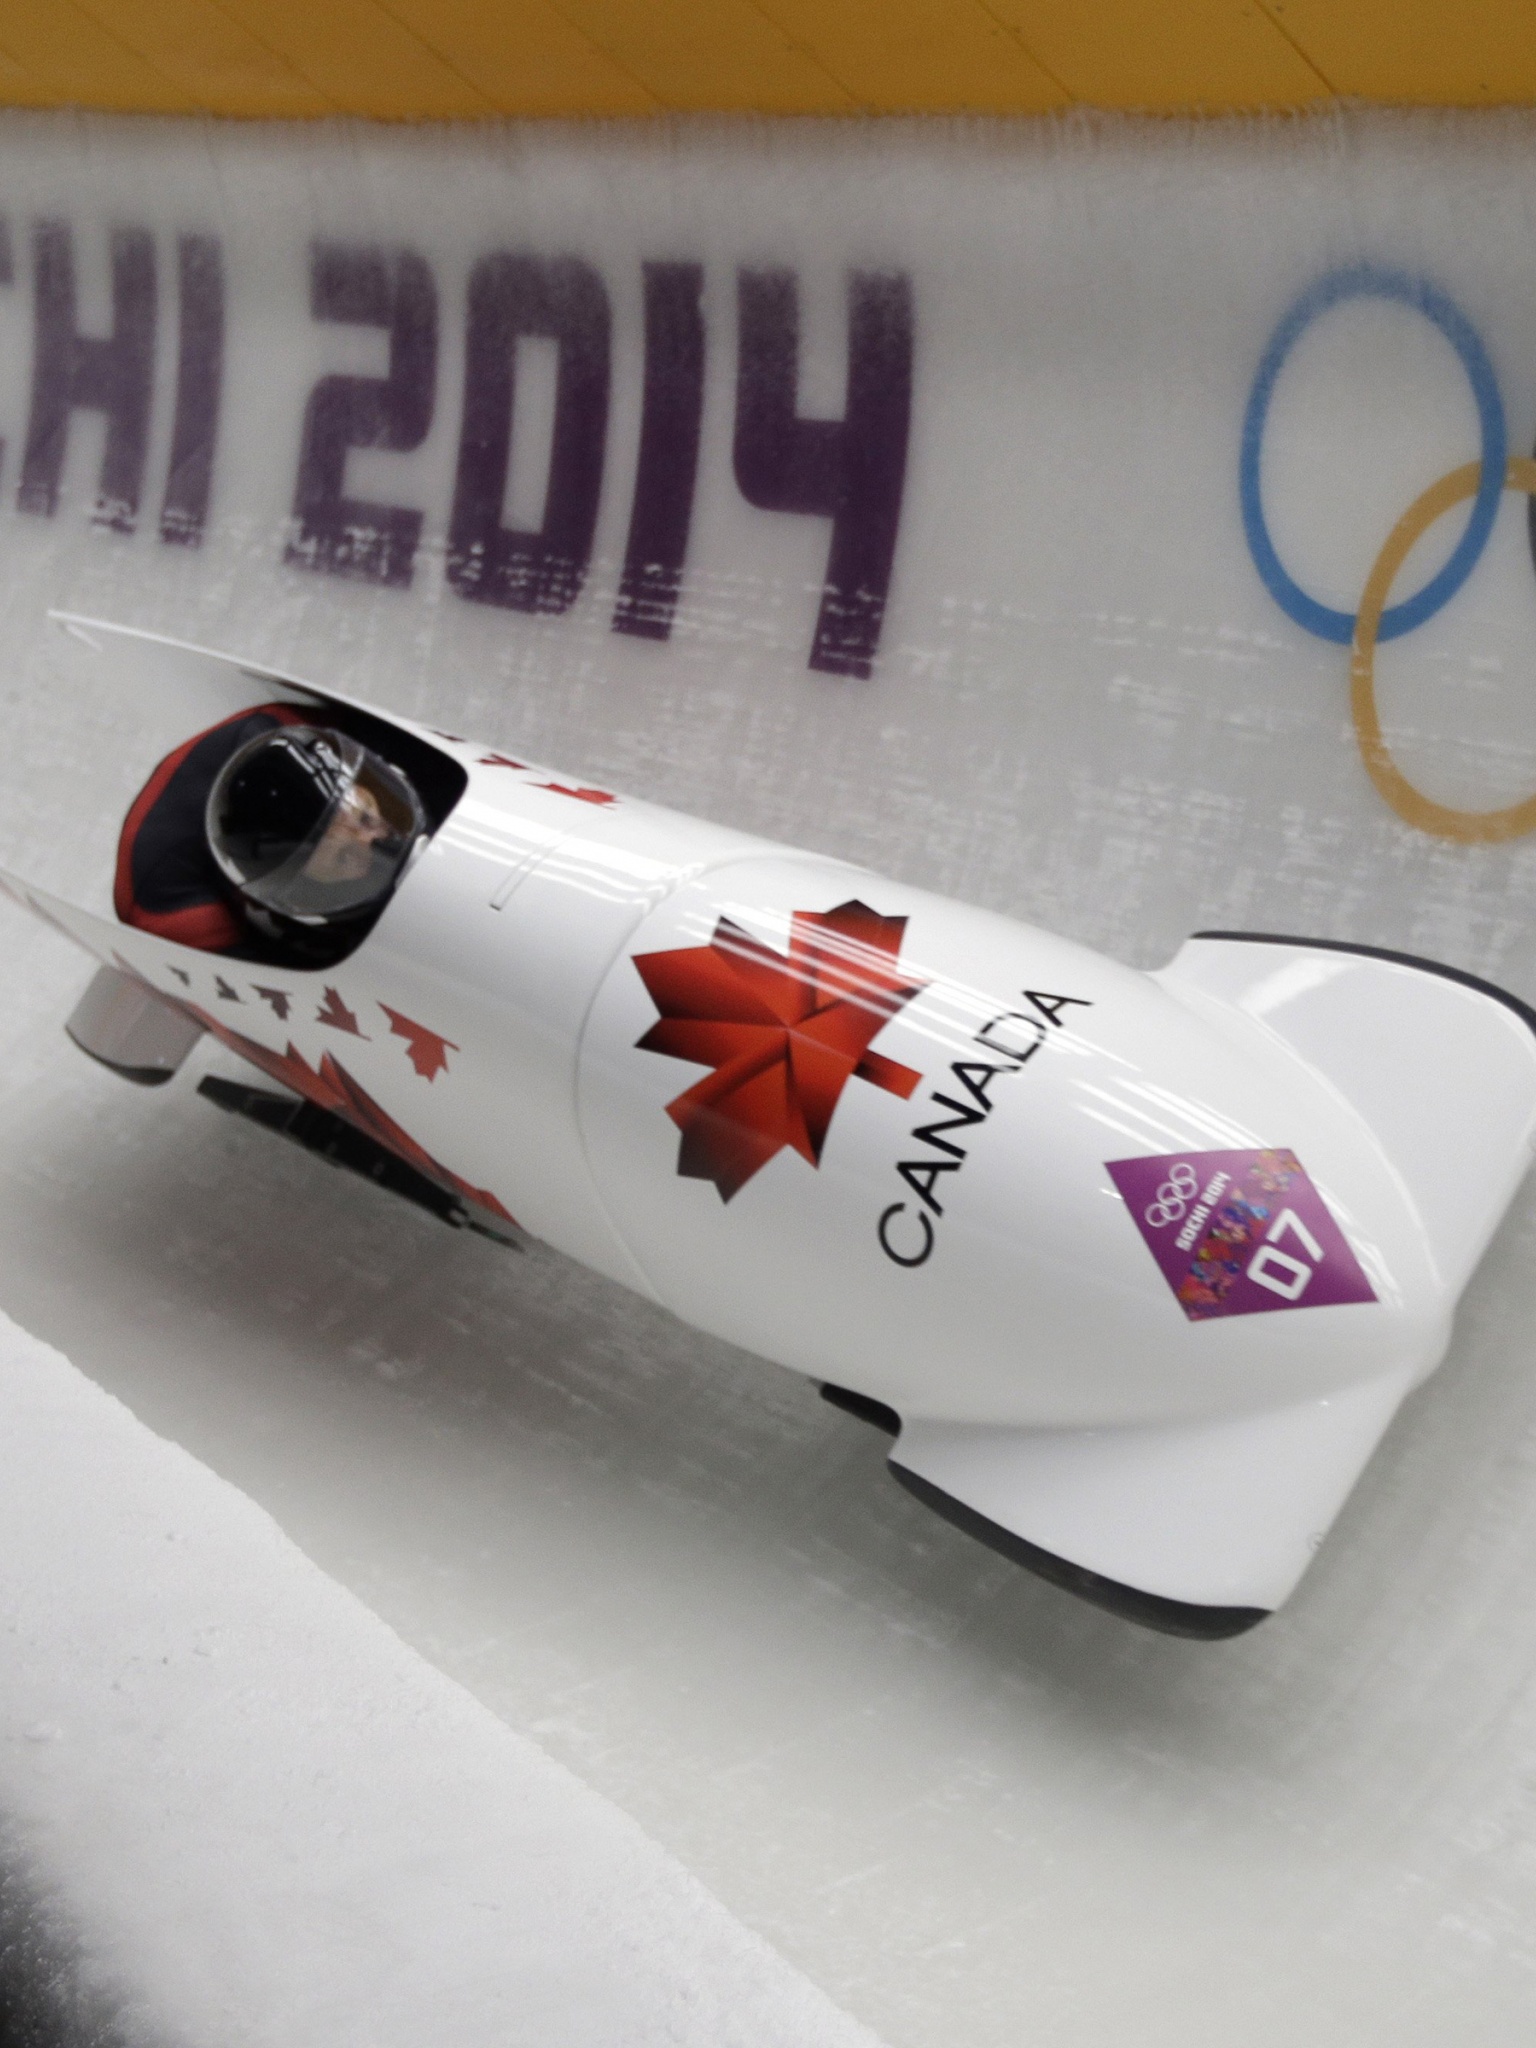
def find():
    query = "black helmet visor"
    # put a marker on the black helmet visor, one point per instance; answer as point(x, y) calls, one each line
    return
point(308, 823)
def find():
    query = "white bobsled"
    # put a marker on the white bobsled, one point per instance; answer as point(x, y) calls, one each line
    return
point(1135, 1267)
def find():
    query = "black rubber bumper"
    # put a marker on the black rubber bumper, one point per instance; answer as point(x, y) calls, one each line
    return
point(1130, 1603)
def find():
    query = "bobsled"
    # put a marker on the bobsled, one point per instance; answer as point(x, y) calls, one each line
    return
point(1135, 1268)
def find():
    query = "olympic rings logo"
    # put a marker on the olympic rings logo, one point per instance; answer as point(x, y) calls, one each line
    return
point(1483, 481)
point(1171, 1201)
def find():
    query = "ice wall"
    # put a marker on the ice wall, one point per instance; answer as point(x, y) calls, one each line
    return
point(470, 421)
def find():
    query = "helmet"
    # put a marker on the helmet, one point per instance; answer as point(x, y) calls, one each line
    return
point(311, 825)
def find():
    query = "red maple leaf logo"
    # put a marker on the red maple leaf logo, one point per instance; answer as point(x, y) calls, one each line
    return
point(500, 761)
point(784, 1034)
point(426, 1050)
point(331, 1087)
point(582, 796)
point(333, 1011)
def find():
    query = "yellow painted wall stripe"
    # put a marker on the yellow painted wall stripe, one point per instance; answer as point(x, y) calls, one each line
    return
point(76, 62)
point(198, 48)
point(710, 55)
point(400, 76)
point(476, 59)
point(908, 56)
point(547, 67)
point(1472, 53)
point(1147, 53)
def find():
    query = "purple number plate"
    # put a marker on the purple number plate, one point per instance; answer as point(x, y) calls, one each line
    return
point(1239, 1233)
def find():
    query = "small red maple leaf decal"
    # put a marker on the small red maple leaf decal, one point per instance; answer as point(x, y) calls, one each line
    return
point(500, 761)
point(333, 1011)
point(784, 1034)
point(426, 1050)
point(582, 796)
point(331, 1087)
point(277, 997)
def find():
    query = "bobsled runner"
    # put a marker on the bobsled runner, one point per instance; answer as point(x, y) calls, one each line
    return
point(1135, 1268)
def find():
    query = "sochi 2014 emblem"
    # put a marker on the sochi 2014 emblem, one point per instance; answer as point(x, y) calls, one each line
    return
point(1239, 1233)
point(1483, 481)
point(783, 1034)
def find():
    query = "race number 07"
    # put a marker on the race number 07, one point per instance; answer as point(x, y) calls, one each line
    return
point(1278, 1270)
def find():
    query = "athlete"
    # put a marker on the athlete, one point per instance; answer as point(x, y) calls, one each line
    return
point(267, 837)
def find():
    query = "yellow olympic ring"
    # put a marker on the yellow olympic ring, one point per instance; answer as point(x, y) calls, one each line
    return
point(1471, 828)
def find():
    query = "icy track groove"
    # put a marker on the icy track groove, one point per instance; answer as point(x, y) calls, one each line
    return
point(269, 1821)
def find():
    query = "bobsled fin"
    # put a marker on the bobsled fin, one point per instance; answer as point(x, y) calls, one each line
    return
point(1196, 1528)
point(1439, 1065)
point(1129, 1603)
point(864, 1406)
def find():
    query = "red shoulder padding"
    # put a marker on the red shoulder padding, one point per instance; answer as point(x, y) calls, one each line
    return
point(208, 926)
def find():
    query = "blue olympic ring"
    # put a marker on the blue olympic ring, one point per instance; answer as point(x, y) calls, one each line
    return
point(1365, 280)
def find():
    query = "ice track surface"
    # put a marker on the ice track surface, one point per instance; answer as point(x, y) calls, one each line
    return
point(970, 1810)
point(271, 1821)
